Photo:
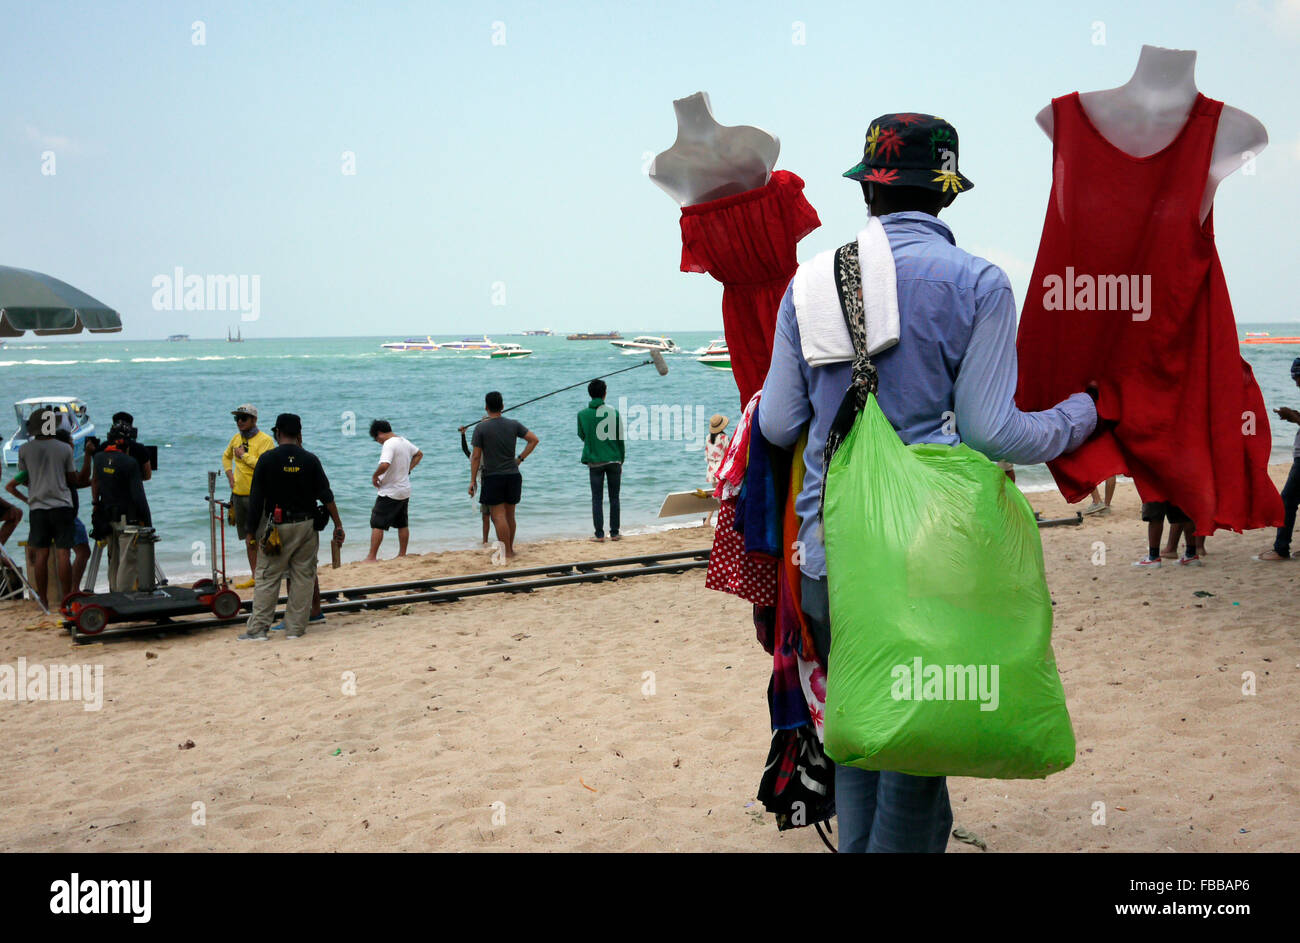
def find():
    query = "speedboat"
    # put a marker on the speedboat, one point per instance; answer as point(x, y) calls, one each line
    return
point(72, 416)
point(716, 355)
point(507, 351)
point(469, 343)
point(664, 345)
point(412, 343)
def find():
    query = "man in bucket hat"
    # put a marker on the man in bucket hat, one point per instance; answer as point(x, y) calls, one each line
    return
point(239, 459)
point(950, 377)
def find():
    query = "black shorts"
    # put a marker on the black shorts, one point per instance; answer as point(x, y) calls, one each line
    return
point(52, 526)
point(239, 510)
point(389, 512)
point(1155, 510)
point(501, 489)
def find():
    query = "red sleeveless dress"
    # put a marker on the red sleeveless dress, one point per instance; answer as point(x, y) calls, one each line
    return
point(1128, 291)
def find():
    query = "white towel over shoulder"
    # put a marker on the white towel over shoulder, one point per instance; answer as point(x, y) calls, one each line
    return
point(823, 334)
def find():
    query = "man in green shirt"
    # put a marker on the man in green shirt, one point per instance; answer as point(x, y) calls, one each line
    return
point(600, 428)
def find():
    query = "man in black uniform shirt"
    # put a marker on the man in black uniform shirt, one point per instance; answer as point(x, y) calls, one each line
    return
point(287, 483)
point(135, 449)
point(117, 487)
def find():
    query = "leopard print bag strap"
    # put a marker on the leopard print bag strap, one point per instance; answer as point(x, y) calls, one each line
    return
point(848, 283)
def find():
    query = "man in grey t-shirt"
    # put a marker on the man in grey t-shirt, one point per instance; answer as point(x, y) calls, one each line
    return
point(51, 476)
point(494, 450)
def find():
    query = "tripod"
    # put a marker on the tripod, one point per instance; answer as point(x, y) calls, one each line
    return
point(7, 561)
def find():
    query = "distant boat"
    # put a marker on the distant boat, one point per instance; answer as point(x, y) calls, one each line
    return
point(546, 333)
point(664, 345)
point(237, 339)
point(469, 343)
point(607, 336)
point(1264, 337)
point(509, 351)
point(178, 337)
point(716, 355)
point(413, 343)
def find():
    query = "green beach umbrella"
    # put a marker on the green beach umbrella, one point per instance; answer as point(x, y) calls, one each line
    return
point(31, 301)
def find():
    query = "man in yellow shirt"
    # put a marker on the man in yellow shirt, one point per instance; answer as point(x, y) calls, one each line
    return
point(239, 460)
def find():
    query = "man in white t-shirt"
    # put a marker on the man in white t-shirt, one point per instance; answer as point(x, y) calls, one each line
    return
point(393, 479)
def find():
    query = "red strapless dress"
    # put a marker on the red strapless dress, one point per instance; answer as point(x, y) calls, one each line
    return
point(747, 242)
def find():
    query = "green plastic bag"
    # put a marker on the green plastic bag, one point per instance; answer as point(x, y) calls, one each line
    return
point(941, 657)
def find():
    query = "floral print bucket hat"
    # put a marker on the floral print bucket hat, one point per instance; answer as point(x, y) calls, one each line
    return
point(911, 150)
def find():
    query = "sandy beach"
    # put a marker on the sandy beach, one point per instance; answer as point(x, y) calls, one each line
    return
point(522, 722)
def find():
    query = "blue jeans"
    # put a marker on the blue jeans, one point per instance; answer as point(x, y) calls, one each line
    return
point(1290, 499)
point(880, 811)
point(613, 473)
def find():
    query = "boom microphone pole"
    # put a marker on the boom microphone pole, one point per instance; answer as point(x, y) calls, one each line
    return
point(656, 358)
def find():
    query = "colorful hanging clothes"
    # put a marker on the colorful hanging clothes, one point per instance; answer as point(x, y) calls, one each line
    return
point(747, 242)
point(789, 587)
point(1128, 291)
point(732, 473)
point(731, 570)
point(762, 499)
point(786, 698)
point(798, 784)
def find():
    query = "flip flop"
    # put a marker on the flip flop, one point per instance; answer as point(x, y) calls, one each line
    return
point(970, 838)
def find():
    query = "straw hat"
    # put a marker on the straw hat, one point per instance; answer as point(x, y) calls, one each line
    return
point(718, 423)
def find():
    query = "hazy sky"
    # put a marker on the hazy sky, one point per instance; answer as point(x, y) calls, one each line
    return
point(507, 143)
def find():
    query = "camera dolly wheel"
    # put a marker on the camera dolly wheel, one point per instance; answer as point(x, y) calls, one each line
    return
point(92, 619)
point(75, 594)
point(226, 604)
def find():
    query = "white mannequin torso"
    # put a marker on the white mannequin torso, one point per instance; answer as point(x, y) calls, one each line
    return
point(1143, 116)
point(709, 160)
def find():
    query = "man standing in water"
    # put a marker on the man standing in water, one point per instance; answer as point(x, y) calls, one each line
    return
point(397, 460)
point(494, 450)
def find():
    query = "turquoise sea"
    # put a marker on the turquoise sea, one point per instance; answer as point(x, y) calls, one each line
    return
point(181, 394)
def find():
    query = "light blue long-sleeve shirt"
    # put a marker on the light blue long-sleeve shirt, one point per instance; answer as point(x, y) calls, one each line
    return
point(951, 378)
